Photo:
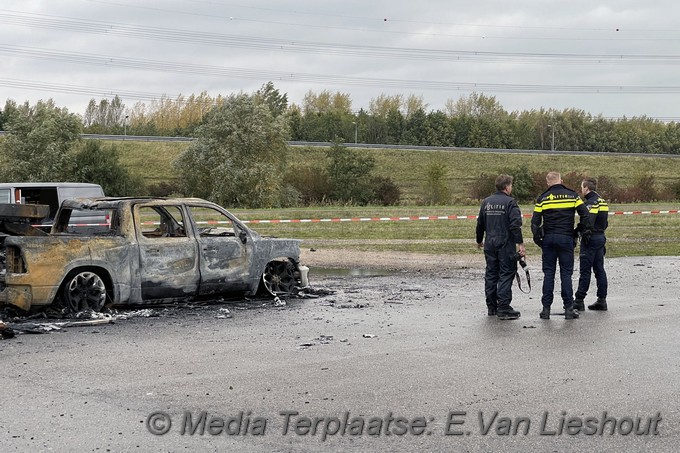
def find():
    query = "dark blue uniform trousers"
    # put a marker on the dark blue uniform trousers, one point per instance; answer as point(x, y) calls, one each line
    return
point(592, 259)
point(558, 247)
point(501, 268)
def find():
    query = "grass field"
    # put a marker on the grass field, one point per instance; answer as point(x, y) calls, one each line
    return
point(153, 160)
point(629, 235)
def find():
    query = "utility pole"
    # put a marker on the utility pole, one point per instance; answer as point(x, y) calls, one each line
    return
point(552, 142)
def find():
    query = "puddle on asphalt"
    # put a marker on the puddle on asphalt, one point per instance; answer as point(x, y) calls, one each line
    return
point(352, 272)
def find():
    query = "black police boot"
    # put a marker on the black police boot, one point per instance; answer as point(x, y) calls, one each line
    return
point(491, 310)
point(599, 305)
point(508, 312)
point(579, 305)
point(570, 313)
point(545, 313)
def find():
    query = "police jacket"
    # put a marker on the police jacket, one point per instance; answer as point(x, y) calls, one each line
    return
point(554, 212)
point(599, 212)
point(501, 220)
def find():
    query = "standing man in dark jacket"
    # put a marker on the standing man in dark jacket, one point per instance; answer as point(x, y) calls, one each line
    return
point(553, 228)
point(593, 248)
point(501, 220)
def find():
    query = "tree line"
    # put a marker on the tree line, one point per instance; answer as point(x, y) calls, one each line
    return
point(474, 121)
point(239, 157)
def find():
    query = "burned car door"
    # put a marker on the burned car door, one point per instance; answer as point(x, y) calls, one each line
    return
point(168, 256)
point(223, 249)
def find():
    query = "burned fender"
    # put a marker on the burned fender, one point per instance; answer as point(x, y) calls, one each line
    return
point(277, 261)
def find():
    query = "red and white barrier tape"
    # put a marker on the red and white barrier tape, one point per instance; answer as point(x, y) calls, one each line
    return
point(365, 219)
point(443, 217)
point(376, 219)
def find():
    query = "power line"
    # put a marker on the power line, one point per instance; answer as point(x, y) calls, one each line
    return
point(485, 57)
point(409, 21)
point(311, 47)
point(305, 47)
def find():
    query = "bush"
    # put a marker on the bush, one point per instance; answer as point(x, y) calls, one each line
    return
point(642, 190)
point(573, 180)
point(99, 165)
point(387, 193)
point(436, 191)
point(608, 189)
point(349, 176)
point(523, 184)
point(310, 183)
point(483, 186)
point(238, 156)
point(675, 190)
point(163, 189)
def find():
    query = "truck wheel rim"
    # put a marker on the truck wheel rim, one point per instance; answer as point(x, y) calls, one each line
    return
point(86, 291)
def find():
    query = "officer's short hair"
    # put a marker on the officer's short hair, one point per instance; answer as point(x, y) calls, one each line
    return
point(502, 182)
point(553, 178)
point(590, 183)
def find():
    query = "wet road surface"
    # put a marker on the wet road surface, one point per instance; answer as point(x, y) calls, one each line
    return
point(415, 346)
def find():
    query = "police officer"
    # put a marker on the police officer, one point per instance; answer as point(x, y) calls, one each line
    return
point(552, 225)
point(593, 248)
point(501, 220)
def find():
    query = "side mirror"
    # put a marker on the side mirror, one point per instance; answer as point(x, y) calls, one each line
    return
point(243, 236)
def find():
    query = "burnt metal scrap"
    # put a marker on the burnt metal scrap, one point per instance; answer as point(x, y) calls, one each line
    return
point(18, 219)
point(133, 251)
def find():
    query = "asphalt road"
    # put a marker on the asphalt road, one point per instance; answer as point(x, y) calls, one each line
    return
point(415, 346)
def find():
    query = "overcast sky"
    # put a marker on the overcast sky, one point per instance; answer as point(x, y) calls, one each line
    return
point(615, 58)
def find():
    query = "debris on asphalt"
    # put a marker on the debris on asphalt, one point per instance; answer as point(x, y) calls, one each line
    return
point(278, 302)
point(35, 328)
point(310, 292)
point(321, 339)
point(89, 322)
point(143, 313)
point(223, 313)
point(54, 319)
point(325, 339)
point(369, 335)
point(417, 289)
point(5, 331)
point(351, 305)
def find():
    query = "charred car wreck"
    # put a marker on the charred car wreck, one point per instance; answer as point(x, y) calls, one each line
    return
point(142, 251)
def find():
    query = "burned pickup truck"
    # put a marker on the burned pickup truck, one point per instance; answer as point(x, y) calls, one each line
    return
point(145, 251)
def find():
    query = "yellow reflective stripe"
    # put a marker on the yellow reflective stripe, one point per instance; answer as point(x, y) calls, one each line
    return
point(538, 208)
point(559, 204)
point(579, 202)
point(604, 208)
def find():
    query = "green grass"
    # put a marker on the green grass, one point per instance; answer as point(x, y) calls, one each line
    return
point(153, 161)
point(630, 235)
point(408, 168)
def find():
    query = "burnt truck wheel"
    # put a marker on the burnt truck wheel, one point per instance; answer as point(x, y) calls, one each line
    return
point(279, 277)
point(84, 290)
